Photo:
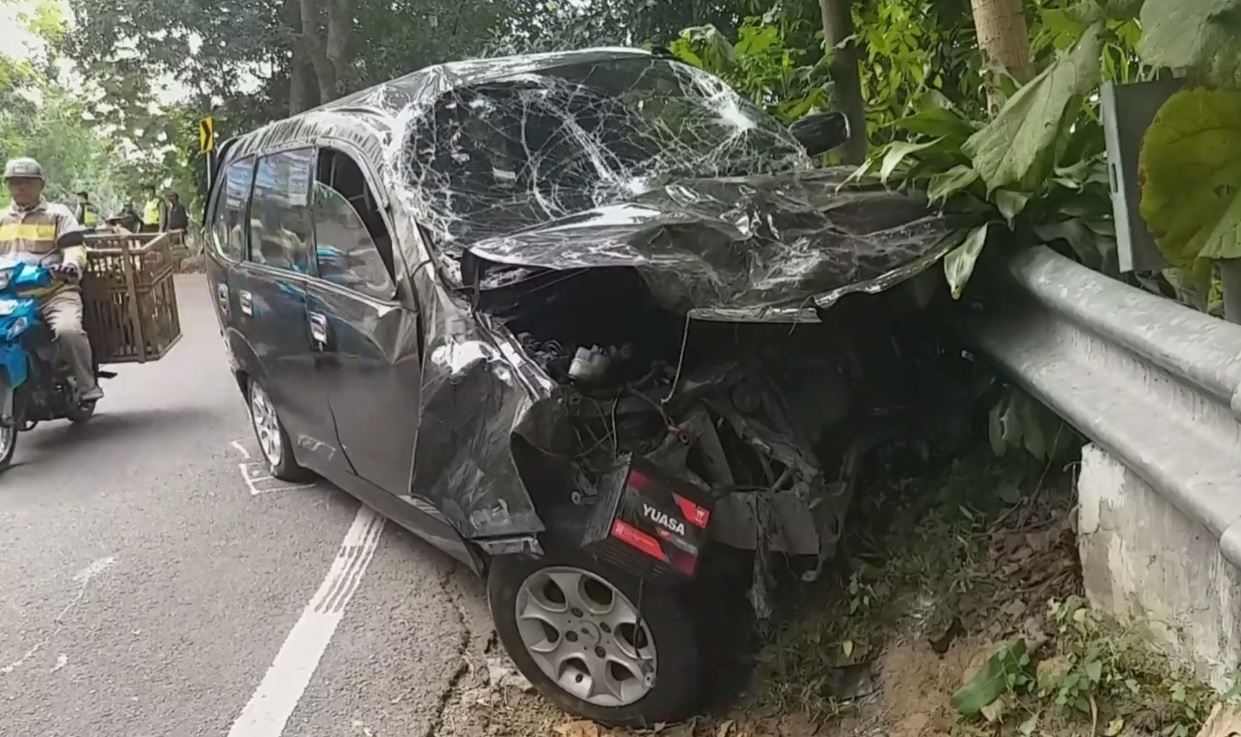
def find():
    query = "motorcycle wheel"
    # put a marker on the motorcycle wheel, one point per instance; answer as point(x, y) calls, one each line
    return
point(8, 444)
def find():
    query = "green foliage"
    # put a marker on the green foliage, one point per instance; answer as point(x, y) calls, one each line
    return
point(1018, 422)
point(42, 117)
point(1036, 173)
point(1096, 673)
point(1201, 35)
point(1019, 148)
point(1190, 162)
point(540, 25)
point(1191, 165)
point(789, 82)
point(1008, 670)
point(1111, 675)
point(918, 53)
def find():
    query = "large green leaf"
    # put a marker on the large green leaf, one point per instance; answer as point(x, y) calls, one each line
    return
point(945, 184)
point(897, 152)
point(938, 122)
point(959, 263)
point(1020, 144)
point(996, 678)
point(1190, 167)
point(1200, 34)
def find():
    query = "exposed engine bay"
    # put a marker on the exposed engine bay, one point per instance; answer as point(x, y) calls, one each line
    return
point(762, 428)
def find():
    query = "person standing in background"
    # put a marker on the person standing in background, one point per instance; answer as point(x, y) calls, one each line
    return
point(86, 212)
point(175, 218)
point(129, 218)
point(152, 213)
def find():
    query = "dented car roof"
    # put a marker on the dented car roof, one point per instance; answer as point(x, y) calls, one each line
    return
point(620, 158)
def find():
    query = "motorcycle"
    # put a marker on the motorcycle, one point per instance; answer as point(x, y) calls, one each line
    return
point(34, 385)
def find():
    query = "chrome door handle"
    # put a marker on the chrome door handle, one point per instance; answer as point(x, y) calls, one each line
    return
point(318, 329)
point(247, 302)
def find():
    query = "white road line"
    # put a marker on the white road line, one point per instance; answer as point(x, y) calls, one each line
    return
point(273, 703)
point(241, 448)
point(270, 483)
point(83, 579)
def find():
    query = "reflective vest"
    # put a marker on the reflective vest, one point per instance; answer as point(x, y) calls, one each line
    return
point(90, 215)
point(33, 233)
point(150, 213)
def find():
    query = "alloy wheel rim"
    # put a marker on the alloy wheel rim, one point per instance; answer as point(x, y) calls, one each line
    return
point(266, 426)
point(7, 433)
point(586, 636)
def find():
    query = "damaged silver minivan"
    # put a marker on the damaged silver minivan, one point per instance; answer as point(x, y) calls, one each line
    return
point(576, 318)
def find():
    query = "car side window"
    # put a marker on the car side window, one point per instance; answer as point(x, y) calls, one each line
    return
point(346, 252)
point(228, 230)
point(280, 228)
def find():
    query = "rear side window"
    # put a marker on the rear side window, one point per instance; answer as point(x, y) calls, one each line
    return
point(346, 252)
point(280, 230)
point(228, 231)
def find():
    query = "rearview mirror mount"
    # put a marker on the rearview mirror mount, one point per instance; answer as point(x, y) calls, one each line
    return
point(821, 132)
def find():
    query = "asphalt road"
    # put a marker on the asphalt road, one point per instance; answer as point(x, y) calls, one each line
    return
point(152, 583)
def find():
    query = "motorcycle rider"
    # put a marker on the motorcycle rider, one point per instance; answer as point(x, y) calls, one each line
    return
point(30, 230)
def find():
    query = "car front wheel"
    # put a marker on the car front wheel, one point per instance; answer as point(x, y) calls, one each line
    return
point(596, 641)
point(273, 441)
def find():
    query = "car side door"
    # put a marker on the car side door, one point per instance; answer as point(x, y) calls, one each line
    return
point(270, 286)
point(226, 238)
point(366, 336)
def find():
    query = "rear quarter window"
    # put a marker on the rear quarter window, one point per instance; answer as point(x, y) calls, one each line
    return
point(228, 221)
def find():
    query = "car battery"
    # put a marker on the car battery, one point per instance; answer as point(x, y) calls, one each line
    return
point(648, 521)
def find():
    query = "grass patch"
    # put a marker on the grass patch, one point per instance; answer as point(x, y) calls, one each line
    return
point(1108, 677)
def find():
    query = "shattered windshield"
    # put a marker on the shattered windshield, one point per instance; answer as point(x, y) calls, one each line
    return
point(495, 158)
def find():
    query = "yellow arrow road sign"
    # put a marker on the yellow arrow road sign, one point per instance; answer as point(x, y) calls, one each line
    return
point(206, 134)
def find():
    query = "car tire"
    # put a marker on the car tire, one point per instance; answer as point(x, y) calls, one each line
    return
point(274, 444)
point(672, 693)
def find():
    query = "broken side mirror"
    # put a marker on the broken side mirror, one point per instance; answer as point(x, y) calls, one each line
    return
point(821, 133)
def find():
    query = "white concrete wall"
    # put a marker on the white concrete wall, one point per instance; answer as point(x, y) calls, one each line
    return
point(1146, 563)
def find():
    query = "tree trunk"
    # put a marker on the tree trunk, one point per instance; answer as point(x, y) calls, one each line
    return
point(338, 45)
point(839, 42)
point(303, 89)
point(327, 39)
point(1003, 36)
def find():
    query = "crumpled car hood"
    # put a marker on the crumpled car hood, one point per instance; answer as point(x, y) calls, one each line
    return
point(744, 248)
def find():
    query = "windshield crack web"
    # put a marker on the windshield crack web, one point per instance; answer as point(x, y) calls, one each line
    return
point(538, 147)
point(644, 162)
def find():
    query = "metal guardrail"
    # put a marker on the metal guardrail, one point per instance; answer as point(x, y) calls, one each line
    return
point(1154, 383)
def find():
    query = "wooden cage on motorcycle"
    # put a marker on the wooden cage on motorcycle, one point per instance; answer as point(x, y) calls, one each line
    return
point(128, 296)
